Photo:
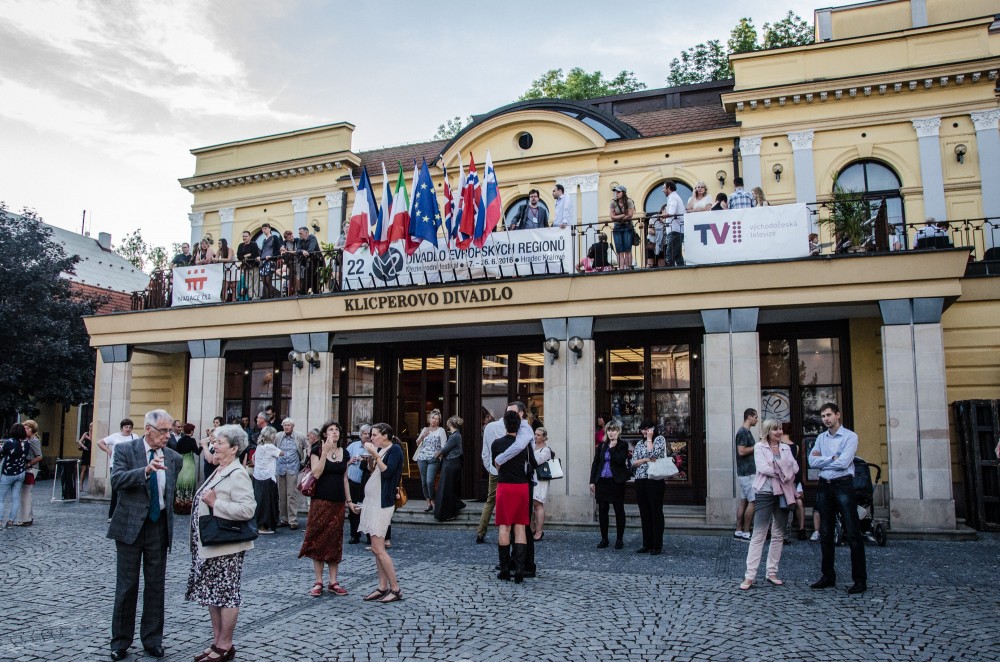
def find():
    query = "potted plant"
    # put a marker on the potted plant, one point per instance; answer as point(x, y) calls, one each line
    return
point(848, 220)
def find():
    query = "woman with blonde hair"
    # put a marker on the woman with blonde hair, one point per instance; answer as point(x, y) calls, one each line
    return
point(427, 456)
point(608, 475)
point(265, 480)
point(542, 455)
point(774, 486)
point(758, 197)
point(700, 200)
point(27, 517)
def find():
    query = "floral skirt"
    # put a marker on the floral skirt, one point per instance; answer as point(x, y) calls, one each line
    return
point(324, 540)
point(213, 582)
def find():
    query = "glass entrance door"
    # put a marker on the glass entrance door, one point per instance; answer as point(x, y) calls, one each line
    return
point(424, 383)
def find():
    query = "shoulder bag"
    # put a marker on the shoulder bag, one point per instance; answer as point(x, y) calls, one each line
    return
point(214, 530)
point(551, 470)
point(307, 482)
point(661, 469)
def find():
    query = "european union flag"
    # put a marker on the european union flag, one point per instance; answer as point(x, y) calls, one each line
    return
point(426, 217)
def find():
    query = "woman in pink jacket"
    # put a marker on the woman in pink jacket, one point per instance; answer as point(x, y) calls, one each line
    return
point(774, 485)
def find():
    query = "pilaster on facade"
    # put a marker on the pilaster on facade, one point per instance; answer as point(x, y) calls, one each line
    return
point(197, 219)
point(334, 216)
point(750, 151)
point(226, 217)
point(300, 205)
point(927, 127)
point(988, 149)
point(802, 161)
point(112, 403)
point(931, 171)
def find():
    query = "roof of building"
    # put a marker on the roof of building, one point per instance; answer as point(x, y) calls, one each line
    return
point(404, 154)
point(99, 267)
point(669, 121)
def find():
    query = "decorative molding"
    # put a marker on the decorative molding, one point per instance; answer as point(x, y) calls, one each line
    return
point(801, 139)
point(197, 218)
point(750, 145)
point(334, 200)
point(587, 183)
point(985, 120)
point(927, 127)
point(283, 173)
point(300, 205)
point(227, 215)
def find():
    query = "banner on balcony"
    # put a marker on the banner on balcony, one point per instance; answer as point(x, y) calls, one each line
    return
point(505, 254)
point(742, 235)
point(197, 284)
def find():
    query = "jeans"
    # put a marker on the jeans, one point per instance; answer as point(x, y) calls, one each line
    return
point(837, 496)
point(10, 486)
point(428, 472)
point(674, 258)
point(766, 515)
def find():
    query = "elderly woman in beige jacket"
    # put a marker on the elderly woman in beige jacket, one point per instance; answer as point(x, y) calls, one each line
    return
point(214, 580)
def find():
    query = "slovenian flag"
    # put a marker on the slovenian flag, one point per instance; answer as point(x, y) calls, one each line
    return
point(362, 214)
point(490, 209)
point(400, 214)
point(470, 206)
point(425, 215)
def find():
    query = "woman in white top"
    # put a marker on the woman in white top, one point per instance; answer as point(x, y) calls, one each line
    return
point(700, 200)
point(429, 444)
point(542, 455)
point(265, 481)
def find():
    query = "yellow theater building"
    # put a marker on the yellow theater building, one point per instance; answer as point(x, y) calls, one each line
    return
point(897, 101)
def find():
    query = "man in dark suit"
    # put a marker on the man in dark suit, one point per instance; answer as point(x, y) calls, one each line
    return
point(270, 250)
point(144, 475)
point(310, 260)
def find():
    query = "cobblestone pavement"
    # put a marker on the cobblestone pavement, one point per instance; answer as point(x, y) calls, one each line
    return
point(926, 601)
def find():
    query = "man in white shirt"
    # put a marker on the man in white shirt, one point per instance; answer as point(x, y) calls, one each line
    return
point(565, 209)
point(675, 215)
point(108, 446)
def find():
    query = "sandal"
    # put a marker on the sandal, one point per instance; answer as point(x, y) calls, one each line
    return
point(337, 589)
point(219, 655)
point(774, 580)
point(392, 596)
point(375, 595)
point(747, 583)
point(316, 590)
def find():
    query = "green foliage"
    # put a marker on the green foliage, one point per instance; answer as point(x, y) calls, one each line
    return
point(47, 356)
point(578, 84)
point(709, 61)
point(847, 216)
point(158, 258)
point(451, 128)
point(136, 250)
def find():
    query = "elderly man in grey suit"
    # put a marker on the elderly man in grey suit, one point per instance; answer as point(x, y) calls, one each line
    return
point(144, 475)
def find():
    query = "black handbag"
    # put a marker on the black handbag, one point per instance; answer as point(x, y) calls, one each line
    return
point(214, 530)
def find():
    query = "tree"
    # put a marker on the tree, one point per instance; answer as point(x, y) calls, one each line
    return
point(451, 128)
point(47, 356)
point(158, 258)
point(709, 61)
point(578, 84)
point(135, 249)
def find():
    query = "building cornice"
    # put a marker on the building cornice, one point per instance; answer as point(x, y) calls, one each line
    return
point(270, 172)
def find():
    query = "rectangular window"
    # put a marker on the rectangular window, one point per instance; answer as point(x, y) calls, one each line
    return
point(531, 384)
point(360, 392)
point(627, 387)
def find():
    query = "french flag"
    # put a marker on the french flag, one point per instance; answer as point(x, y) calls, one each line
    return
point(363, 213)
point(490, 209)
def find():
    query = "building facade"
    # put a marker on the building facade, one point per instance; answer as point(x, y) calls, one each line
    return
point(893, 336)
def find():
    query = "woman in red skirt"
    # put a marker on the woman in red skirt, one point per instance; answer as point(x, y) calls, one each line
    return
point(324, 540)
point(512, 501)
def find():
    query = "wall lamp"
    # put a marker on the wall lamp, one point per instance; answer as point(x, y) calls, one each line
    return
point(295, 358)
point(721, 176)
point(312, 358)
point(777, 169)
point(552, 347)
point(575, 345)
point(315, 227)
point(960, 151)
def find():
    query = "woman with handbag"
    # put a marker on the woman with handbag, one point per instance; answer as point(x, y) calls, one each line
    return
point(608, 475)
point(429, 444)
point(774, 485)
point(649, 491)
point(385, 461)
point(542, 455)
point(448, 502)
point(214, 580)
point(27, 517)
point(324, 540)
point(14, 457)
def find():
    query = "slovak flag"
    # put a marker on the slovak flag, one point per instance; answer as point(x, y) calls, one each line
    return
point(450, 226)
point(425, 215)
point(470, 205)
point(400, 214)
point(362, 214)
point(490, 208)
point(380, 233)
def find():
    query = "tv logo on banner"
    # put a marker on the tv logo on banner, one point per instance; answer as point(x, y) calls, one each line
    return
point(197, 284)
point(742, 235)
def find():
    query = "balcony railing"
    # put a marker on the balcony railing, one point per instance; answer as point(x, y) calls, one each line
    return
point(321, 273)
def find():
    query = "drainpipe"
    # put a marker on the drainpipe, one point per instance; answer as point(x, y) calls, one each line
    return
point(736, 158)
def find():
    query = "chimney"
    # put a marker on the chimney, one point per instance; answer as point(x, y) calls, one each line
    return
point(104, 239)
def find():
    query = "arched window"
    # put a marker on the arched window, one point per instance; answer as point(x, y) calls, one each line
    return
point(515, 209)
point(258, 237)
point(655, 199)
point(876, 182)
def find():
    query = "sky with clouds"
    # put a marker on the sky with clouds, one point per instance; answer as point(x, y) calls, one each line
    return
point(103, 100)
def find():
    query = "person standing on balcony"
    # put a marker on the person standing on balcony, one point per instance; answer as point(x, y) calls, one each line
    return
point(205, 254)
point(622, 210)
point(184, 258)
point(224, 256)
point(675, 214)
point(532, 215)
point(268, 258)
point(565, 209)
point(248, 255)
point(310, 259)
point(741, 198)
point(700, 200)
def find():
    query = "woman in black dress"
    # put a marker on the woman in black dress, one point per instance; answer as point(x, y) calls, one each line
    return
point(448, 504)
point(608, 475)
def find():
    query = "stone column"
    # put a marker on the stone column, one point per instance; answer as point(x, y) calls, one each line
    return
point(206, 384)
point(732, 384)
point(112, 403)
point(570, 414)
point(226, 217)
point(301, 208)
point(197, 219)
point(750, 151)
point(916, 406)
point(802, 162)
point(334, 216)
point(988, 147)
point(311, 404)
point(931, 174)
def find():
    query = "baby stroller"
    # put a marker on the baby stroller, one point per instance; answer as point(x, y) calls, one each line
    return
point(864, 493)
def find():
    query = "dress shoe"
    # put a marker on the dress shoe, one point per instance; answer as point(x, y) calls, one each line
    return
point(480, 540)
point(354, 540)
point(655, 552)
point(857, 587)
point(824, 582)
point(642, 550)
point(119, 654)
point(155, 651)
point(619, 544)
point(602, 544)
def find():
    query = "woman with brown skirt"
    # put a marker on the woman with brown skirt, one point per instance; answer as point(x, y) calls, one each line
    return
point(324, 541)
